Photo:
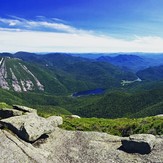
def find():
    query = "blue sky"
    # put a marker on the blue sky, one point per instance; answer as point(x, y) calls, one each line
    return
point(81, 25)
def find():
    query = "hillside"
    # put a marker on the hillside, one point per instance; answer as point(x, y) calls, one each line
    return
point(121, 104)
point(19, 76)
point(130, 62)
point(14, 75)
point(47, 81)
point(76, 73)
point(151, 73)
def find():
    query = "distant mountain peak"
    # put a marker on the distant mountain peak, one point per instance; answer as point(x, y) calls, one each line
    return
point(129, 61)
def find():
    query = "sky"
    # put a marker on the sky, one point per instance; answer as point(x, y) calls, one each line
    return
point(81, 26)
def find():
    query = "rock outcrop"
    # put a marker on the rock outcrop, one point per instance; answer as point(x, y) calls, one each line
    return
point(61, 146)
point(30, 126)
point(73, 147)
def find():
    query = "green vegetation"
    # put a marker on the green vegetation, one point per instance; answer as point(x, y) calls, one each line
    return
point(47, 111)
point(111, 105)
point(120, 127)
point(120, 104)
point(44, 75)
point(4, 105)
point(78, 74)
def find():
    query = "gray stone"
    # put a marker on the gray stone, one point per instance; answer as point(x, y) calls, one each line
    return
point(6, 112)
point(24, 109)
point(139, 143)
point(74, 116)
point(73, 147)
point(94, 147)
point(30, 127)
point(159, 115)
point(14, 150)
point(55, 120)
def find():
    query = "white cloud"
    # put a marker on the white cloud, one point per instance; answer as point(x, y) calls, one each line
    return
point(40, 24)
point(69, 40)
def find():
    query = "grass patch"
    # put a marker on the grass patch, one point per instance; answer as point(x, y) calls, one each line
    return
point(120, 127)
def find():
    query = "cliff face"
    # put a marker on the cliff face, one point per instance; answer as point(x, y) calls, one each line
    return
point(14, 75)
point(55, 145)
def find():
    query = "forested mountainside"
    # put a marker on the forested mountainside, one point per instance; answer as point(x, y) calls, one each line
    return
point(151, 73)
point(74, 73)
point(133, 62)
point(122, 104)
point(47, 82)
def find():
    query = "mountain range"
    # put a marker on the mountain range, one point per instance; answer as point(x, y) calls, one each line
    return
point(133, 62)
point(67, 73)
point(47, 81)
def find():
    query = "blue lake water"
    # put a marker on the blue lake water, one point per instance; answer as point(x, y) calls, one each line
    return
point(89, 92)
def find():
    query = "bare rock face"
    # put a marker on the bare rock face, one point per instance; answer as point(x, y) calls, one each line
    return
point(74, 147)
point(139, 143)
point(14, 150)
point(18, 82)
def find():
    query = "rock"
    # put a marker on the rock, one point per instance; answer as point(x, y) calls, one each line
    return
point(38, 140)
point(73, 147)
point(94, 147)
point(139, 143)
point(14, 150)
point(24, 109)
point(6, 112)
point(74, 116)
point(30, 127)
point(159, 115)
point(55, 120)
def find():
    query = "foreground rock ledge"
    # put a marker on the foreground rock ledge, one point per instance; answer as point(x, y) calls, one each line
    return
point(61, 146)
point(30, 126)
point(73, 147)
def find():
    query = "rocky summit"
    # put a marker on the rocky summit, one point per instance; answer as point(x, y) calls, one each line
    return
point(27, 137)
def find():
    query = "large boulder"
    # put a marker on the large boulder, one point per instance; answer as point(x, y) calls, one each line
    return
point(139, 143)
point(30, 126)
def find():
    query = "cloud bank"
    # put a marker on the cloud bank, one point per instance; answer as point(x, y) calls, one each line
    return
point(51, 35)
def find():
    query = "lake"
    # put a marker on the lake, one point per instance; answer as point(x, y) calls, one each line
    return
point(89, 92)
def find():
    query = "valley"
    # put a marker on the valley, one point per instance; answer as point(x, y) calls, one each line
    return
point(46, 82)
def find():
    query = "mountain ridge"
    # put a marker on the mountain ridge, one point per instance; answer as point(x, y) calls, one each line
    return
point(76, 73)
